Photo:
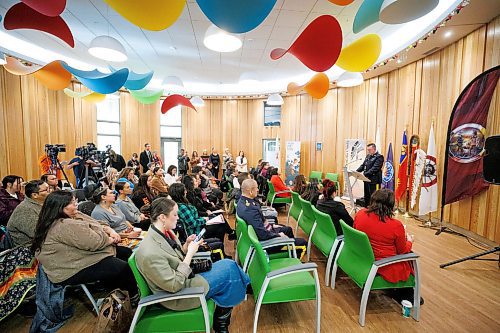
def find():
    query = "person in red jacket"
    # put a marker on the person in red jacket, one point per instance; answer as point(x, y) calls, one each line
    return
point(388, 238)
point(278, 184)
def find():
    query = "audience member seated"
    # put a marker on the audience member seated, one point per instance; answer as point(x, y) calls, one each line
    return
point(165, 265)
point(236, 192)
point(171, 176)
point(131, 212)
point(142, 194)
point(22, 222)
point(196, 196)
point(74, 248)
point(127, 175)
point(107, 211)
point(158, 184)
point(388, 238)
point(265, 169)
point(190, 219)
point(51, 180)
point(134, 163)
point(278, 184)
point(249, 209)
point(312, 193)
point(336, 209)
point(211, 189)
point(111, 177)
point(299, 184)
point(10, 197)
point(116, 160)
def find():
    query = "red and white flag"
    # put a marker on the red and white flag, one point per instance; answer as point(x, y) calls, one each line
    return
point(429, 190)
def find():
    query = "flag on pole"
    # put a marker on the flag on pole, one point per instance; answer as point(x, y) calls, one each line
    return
point(418, 170)
point(429, 192)
point(388, 170)
point(402, 181)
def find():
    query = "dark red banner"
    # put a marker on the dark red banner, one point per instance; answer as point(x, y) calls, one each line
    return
point(463, 170)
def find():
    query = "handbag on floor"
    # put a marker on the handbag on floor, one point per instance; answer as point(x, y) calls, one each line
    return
point(115, 314)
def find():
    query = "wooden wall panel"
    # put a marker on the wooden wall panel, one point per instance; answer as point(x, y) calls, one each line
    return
point(410, 97)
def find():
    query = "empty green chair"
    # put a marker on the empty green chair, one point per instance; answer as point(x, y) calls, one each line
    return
point(273, 198)
point(282, 281)
point(295, 209)
point(244, 248)
point(356, 259)
point(325, 238)
point(316, 174)
point(307, 222)
point(151, 316)
point(334, 177)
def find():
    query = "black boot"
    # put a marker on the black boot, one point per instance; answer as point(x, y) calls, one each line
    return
point(222, 319)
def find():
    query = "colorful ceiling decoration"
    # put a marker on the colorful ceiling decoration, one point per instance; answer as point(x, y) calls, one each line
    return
point(136, 81)
point(318, 46)
point(341, 2)
point(367, 14)
point(317, 87)
point(236, 16)
point(52, 75)
point(47, 7)
point(91, 97)
point(361, 54)
point(102, 83)
point(146, 96)
point(152, 15)
point(21, 16)
point(402, 11)
point(175, 100)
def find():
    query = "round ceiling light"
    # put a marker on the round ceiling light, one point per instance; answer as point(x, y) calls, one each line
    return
point(107, 48)
point(402, 11)
point(350, 79)
point(274, 99)
point(173, 81)
point(220, 41)
point(197, 101)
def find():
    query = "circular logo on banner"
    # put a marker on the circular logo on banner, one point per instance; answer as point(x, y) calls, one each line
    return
point(430, 176)
point(467, 143)
point(388, 173)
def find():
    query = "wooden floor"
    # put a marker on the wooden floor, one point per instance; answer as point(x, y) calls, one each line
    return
point(461, 298)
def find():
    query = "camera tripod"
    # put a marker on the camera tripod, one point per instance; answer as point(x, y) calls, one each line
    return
point(84, 176)
point(475, 257)
point(55, 164)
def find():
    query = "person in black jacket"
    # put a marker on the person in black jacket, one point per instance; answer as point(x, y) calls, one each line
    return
point(214, 158)
point(372, 169)
point(183, 159)
point(116, 161)
point(336, 209)
point(146, 157)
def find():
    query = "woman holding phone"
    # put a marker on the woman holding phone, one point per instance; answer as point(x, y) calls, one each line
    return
point(165, 265)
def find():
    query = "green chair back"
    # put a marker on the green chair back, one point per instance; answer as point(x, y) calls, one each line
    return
point(244, 244)
point(356, 257)
point(259, 267)
point(141, 283)
point(271, 191)
point(316, 174)
point(334, 177)
point(307, 219)
point(325, 234)
point(296, 207)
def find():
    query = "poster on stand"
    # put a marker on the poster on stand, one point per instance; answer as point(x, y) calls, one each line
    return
point(354, 155)
point(292, 161)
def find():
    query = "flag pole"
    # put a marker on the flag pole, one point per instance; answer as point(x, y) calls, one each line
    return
point(408, 156)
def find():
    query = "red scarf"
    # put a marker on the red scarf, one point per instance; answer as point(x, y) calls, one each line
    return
point(169, 234)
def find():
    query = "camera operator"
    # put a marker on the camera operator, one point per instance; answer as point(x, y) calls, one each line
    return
point(78, 163)
point(49, 162)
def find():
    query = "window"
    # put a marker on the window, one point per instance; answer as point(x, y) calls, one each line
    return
point(272, 115)
point(108, 124)
point(171, 123)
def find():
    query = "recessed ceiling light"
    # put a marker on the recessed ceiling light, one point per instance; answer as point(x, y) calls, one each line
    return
point(107, 48)
point(448, 34)
point(221, 41)
point(197, 101)
point(274, 99)
point(350, 79)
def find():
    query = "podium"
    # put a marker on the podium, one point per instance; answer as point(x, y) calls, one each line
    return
point(358, 176)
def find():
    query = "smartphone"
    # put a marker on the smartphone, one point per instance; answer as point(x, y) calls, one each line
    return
point(200, 235)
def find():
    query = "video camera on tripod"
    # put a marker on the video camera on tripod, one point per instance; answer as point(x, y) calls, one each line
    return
point(53, 150)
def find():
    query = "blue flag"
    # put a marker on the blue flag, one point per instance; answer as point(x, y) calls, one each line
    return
point(388, 170)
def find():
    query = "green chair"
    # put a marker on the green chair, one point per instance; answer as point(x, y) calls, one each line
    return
point(316, 174)
point(282, 281)
point(150, 316)
point(307, 222)
point(273, 198)
point(295, 209)
point(245, 250)
point(325, 238)
point(334, 177)
point(356, 259)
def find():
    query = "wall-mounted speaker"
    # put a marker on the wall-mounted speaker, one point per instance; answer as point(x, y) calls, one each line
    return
point(491, 160)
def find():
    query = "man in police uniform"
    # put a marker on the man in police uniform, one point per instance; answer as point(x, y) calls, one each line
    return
point(371, 169)
point(249, 210)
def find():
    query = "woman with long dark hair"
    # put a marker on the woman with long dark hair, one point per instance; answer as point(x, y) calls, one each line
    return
point(127, 175)
point(241, 162)
point(299, 184)
point(311, 193)
point(74, 248)
point(387, 237)
point(171, 176)
point(165, 265)
point(158, 184)
point(336, 209)
point(142, 194)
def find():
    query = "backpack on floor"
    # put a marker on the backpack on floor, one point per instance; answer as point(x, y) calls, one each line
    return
point(115, 314)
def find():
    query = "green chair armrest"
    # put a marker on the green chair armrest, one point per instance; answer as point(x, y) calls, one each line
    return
point(396, 258)
point(284, 191)
point(194, 292)
point(292, 269)
point(277, 242)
